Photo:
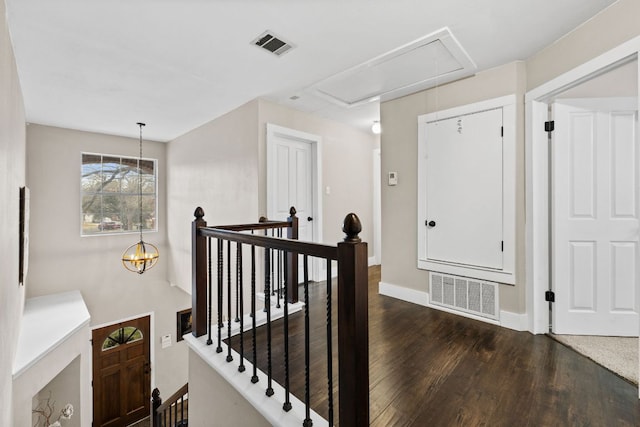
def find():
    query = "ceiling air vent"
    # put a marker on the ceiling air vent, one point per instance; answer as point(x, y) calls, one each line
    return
point(272, 43)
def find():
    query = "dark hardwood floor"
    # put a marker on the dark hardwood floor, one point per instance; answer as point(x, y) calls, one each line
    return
point(431, 368)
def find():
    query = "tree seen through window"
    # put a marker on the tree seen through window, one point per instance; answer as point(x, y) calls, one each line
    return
point(110, 194)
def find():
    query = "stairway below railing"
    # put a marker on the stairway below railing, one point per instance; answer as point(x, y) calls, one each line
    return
point(174, 412)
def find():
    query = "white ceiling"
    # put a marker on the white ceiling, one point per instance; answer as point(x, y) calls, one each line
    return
point(102, 66)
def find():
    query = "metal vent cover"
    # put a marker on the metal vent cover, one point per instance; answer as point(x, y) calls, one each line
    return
point(272, 43)
point(473, 296)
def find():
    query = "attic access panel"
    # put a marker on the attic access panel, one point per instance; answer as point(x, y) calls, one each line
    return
point(434, 59)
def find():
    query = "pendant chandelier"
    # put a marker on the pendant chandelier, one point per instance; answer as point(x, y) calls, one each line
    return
point(141, 256)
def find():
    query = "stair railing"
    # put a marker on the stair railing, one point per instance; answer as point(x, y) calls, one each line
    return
point(209, 243)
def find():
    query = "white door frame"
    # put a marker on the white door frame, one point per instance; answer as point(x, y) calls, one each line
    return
point(537, 175)
point(377, 206)
point(274, 131)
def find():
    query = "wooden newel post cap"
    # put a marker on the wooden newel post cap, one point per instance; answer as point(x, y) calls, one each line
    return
point(292, 211)
point(262, 219)
point(352, 227)
point(199, 213)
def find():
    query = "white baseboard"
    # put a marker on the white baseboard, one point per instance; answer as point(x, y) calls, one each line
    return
point(373, 261)
point(515, 321)
point(404, 294)
point(509, 320)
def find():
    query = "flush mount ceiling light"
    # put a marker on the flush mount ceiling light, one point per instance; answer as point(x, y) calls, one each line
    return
point(141, 256)
point(376, 128)
point(434, 58)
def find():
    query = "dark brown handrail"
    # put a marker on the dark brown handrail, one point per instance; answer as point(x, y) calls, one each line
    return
point(159, 408)
point(306, 248)
point(352, 308)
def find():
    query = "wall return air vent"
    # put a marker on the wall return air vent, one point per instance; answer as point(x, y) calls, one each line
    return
point(274, 44)
point(434, 59)
point(457, 293)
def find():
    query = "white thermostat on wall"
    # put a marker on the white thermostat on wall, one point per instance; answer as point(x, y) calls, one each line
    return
point(393, 178)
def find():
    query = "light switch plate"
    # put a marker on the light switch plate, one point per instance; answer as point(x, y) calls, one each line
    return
point(393, 178)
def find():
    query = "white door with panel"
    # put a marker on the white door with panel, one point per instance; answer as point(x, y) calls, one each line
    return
point(291, 169)
point(464, 186)
point(595, 217)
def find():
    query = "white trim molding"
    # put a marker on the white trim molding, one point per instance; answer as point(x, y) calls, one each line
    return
point(537, 174)
point(506, 274)
point(509, 320)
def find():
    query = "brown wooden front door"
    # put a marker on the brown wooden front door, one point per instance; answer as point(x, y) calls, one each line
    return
point(121, 373)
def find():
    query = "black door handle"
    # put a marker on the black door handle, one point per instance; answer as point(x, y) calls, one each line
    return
point(309, 218)
point(431, 223)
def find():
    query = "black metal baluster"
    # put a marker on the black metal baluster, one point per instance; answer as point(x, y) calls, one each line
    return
point(266, 273)
point(254, 377)
point(307, 395)
point(329, 346)
point(287, 403)
point(220, 270)
point(279, 275)
point(182, 408)
point(165, 417)
point(267, 296)
point(210, 291)
point(274, 284)
point(229, 294)
point(279, 270)
point(241, 368)
point(175, 413)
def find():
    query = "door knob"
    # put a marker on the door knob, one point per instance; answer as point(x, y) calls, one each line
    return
point(309, 218)
point(431, 223)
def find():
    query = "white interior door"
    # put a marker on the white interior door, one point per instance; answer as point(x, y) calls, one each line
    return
point(465, 189)
point(595, 218)
point(293, 187)
point(293, 175)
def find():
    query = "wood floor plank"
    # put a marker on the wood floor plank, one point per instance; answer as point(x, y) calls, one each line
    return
point(432, 368)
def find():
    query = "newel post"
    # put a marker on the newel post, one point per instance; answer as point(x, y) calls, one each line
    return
point(156, 401)
point(292, 258)
point(198, 275)
point(353, 326)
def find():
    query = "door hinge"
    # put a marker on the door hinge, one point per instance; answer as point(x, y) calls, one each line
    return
point(502, 131)
point(502, 246)
point(549, 126)
point(550, 296)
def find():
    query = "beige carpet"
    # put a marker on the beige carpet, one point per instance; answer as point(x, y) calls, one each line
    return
point(618, 354)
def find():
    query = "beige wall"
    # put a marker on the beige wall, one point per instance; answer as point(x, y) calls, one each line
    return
point(347, 167)
point(62, 260)
point(215, 167)
point(213, 402)
point(399, 147)
point(613, 26)
point(73, 352)
point(12, 177)
point(221, 166)
point(62, 389)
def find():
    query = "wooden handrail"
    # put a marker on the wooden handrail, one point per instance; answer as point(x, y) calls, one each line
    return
point(306, 248)
point(174, 398)
point(159, 407)
point(352, 308)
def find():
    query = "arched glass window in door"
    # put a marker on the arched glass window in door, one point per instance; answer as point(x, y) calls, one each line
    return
point(120, 336)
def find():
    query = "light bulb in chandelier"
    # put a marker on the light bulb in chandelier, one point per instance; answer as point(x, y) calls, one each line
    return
point(140, 256)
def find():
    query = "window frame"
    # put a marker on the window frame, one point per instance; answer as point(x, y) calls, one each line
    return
point(155, 194)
